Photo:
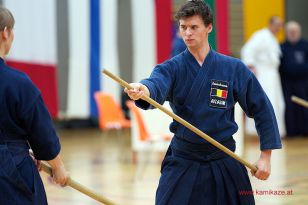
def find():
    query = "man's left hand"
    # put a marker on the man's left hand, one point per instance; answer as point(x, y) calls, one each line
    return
point(263, 165)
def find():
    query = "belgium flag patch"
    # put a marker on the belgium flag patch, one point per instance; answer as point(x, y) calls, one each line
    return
point(219, 93)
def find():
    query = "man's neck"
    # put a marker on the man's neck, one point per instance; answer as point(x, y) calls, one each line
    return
point(272, 31)
point(2, 51)
point(293, 42)
point(200, 53)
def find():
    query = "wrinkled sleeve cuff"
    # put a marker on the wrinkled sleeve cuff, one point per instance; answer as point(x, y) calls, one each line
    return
point(143, 104)
point(47, 151)
point(270, 146)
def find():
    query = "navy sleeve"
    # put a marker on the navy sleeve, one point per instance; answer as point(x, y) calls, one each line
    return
point(159, 84)
point(41, 134)
point(35, 119)
point(256, 104)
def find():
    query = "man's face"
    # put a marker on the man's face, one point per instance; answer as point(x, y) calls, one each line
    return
point(194, 32)
point(293, 34)
point(277, 26)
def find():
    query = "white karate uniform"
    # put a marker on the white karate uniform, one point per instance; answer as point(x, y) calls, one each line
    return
point(262, 51)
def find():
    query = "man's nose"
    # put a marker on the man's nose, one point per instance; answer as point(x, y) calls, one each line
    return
point(188, 32)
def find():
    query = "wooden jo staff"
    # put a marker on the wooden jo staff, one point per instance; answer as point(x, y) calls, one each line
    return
point(184, 122)
point(299, 101)
point(75, 185)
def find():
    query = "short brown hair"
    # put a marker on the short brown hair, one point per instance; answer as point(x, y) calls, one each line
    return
point(195, 7)
point(6, 19)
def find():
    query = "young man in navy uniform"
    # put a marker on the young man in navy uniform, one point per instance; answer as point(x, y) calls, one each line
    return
point(24, 123)
point(202, 87)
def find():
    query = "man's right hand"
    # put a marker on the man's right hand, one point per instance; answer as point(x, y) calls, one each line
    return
point(138, 91)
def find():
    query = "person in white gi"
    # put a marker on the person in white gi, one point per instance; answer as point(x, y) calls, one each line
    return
point(261, 54)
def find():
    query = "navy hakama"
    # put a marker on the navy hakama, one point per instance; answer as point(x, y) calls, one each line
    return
point(19, 179)
point(193, 171)
point(202, 174)
point(24, 123)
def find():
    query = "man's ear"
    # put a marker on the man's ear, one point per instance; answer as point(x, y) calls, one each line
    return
point(210, 28)
point(5, 33)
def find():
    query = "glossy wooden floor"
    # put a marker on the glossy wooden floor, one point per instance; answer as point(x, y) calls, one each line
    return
point(102, 162)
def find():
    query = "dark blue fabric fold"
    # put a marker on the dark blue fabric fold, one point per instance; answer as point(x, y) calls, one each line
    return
point(20, 181)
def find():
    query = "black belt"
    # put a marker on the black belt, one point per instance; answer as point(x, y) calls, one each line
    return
point(202, 153)
point(13, 140)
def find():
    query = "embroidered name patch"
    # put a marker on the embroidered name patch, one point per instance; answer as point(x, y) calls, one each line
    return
point(219, 93)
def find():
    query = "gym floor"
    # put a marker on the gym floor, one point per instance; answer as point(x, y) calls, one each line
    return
point(102, 161)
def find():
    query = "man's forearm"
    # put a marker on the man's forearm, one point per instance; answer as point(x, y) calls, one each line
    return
point(266, 154)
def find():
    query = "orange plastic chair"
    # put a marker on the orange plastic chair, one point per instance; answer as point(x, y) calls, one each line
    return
point(110, 113)
point(141, 139)
point(144, 135)
point(144, 141)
